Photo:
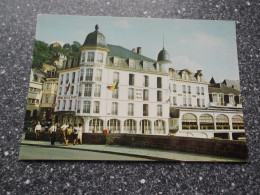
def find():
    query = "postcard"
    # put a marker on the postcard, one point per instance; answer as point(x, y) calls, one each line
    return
point(134, 89)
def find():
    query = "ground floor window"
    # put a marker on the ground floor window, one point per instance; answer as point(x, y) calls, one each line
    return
point(189, 121)
point(130, 126)
point(145, 126)
point(206, 122)
point(159, 127)
point(222, 122)
point(221, 135)
point(96, 126)
point(113, 125)
point(239, 136)
point(237, 122)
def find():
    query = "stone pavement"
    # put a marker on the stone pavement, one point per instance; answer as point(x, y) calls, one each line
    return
point(152, 154)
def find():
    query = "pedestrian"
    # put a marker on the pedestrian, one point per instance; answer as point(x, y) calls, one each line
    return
point(80, 134)
point(37, 130)
point(63, 132)
point(75, 134)
point(68, 132)
point(53, 131)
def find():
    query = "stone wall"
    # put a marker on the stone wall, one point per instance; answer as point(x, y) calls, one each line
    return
point(235, 149)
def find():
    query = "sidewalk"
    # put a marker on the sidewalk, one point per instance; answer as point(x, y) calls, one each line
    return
point(152, 154)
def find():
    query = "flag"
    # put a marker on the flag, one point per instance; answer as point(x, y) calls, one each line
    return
point(112, 87)
point(68, 87)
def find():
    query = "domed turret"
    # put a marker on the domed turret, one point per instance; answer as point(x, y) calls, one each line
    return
point(95, 39)
point(163, 56)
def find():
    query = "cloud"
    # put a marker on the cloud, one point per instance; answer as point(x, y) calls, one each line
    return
point(183, 62)
point(122, 24)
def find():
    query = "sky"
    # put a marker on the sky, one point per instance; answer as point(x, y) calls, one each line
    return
point(207, 45)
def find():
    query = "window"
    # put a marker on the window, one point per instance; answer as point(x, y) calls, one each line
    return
point(184, 101)
point(115, 77)
point(58, 104)
point(81, 90)
point(189, 89)
point(189, 101)
point(79, 104)
point(113, 125)
point(202, 90)
point(130, 109)
point(231, 98)
point(115, 94)
point(145, 94)
point(174, 101)
point(189, 121)
point(90, 56)
point(116, 61)
point(237, 122)
point(96, 125)
point(159, 67)
point(70, 104)
point(97, 90)
point(88, 90)
point(61, 80)
point(96, 107)
point(198, 102)
point(81, 74)
point(203, 102)
point(146, 81)
point(83, 57)
point(99, 57)
point(131, 79)
point(159, 110)
point(159, 82)
point(131, 93)
point(215, 97)
point(198, 90)
point(67, 78)
point(114, 108)
point(73, 77)
point(159, 96)
point(145, 65)
point(89, 74)
point(130, 126)
point(71, 90)
point(145, 110)
point(63, 105)
point(206, 122)
point(131, 64)
point(98, 76)
point(174, 87)
point(184, 89)
point(60, 90)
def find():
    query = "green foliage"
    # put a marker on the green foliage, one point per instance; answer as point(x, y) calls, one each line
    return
point(44, 54)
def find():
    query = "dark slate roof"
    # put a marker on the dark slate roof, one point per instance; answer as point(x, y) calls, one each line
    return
point(163, 56)
point(221, 88)
point(232, 83)
point(122, 52)
point(96, 39)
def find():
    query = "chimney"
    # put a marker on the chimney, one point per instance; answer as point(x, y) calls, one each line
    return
point(133, 50)
point(139, 49)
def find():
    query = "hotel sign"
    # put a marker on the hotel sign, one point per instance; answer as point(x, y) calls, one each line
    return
point(67, 97)
point(138, 94)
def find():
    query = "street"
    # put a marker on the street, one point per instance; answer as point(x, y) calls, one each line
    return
point(51, 153)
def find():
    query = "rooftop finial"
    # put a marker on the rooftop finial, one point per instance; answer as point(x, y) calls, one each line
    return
point(163, 41)
point(96, 27)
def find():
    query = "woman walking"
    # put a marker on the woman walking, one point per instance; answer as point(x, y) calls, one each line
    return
point(80, 134)
point(75, 134)
point(37, 130)
point(68, 132)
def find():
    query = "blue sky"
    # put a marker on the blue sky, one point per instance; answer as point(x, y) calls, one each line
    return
point(207, 45)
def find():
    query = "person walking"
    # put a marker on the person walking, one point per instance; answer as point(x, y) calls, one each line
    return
point(53, 131)
point(75, 134)
point(80, 134)
point(63, 132)
point(68, 132)
point(37, 130)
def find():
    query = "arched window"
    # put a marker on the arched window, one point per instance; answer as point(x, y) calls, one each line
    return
point(96, 126)
point(113, 125)
point(145, 126)
point(222, 122)
point(159, 127)
point(237, 122)
point(189, 121)
point(206, 122)
point(130, 126)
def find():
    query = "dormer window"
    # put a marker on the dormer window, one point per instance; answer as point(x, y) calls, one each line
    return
point(185, 75)
point(83, 57)
point(199, 78)
point(159, 67)
point(91, 56)
point(231, 98)
point(131, 64)
point(116, 61)
point(145, 65)
point(100, 57)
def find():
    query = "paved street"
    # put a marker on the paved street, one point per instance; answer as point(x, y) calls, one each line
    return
point(42, 150)
point(49, 153)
